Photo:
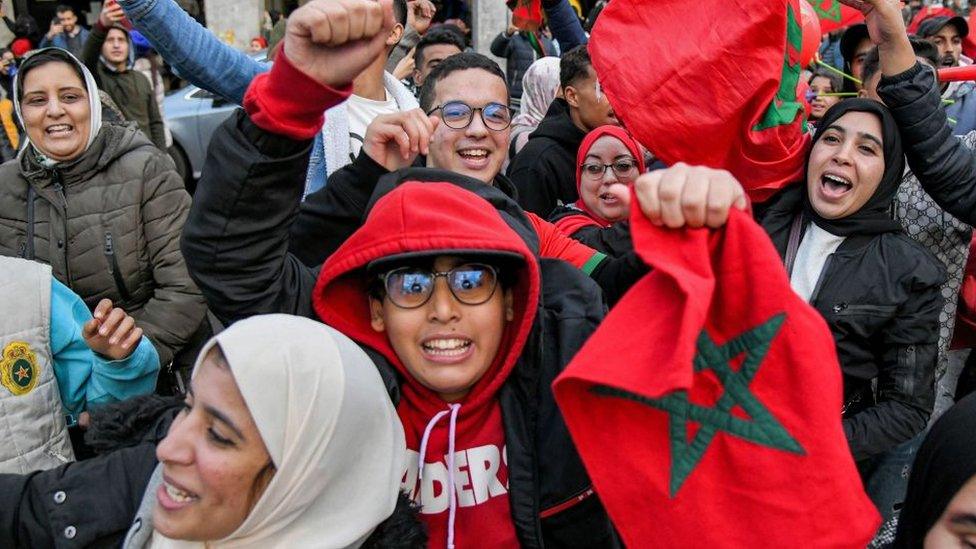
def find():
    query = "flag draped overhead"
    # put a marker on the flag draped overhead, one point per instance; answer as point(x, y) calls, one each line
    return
point(716, 420)
point(708, 83)
point(834, 15)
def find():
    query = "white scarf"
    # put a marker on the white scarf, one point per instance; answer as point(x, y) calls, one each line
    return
point(94, 103)
point(330, 427)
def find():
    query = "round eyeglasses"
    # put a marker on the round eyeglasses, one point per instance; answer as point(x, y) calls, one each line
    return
point(411, 287)
point(458, 115)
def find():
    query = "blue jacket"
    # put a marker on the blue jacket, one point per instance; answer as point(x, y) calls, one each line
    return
point(85, 377)
point(962, 113)
point(60, 40)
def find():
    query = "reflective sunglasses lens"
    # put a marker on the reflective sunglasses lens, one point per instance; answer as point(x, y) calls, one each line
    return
point(497, 116)
point(472, 284)
point(409, 288)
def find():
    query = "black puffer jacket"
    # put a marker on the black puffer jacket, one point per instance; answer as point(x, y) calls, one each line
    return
point(236, 245)
point(92, 503)
point(544, 171)
point(614, 240)
point(880, 296)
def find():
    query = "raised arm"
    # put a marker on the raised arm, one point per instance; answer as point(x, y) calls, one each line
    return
point(196, 53)
point(236, 239)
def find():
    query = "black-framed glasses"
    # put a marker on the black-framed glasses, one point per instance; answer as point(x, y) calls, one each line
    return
point(411, 287)
point(458, 115)
point(621, 168)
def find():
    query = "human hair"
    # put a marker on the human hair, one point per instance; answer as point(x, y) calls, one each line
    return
point(63, 8)
point(872, 62)
point(836, 82)
point(574, 65)
point(50, 55)
point(400, 12)
point(925, 49)
point(432, 38)
point(459, 62)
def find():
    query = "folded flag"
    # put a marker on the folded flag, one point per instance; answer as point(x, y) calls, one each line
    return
point(714, 83)
point(707, 406)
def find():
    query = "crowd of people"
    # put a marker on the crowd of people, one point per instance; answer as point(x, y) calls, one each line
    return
point(274, 362)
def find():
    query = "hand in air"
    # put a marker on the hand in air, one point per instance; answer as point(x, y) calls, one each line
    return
point(111, 332)
point(394, 140)
point(689, 196)
point(332, 41)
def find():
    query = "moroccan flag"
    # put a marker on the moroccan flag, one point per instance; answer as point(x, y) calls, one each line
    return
point(707, 406)
point(708, 83)
point(526, 14)
point(834, 15)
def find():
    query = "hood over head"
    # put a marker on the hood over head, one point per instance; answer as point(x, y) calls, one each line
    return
point(429, 218)
point(327, 421)
point(35, 59)
point(132, 51)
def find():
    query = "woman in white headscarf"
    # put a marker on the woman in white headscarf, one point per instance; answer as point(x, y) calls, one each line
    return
point(539, 87)
point(287, 439)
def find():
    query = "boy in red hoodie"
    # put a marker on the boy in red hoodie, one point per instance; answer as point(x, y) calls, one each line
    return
point(471, 378)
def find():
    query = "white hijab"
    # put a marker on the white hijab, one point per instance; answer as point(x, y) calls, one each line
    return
point(330, 427)
point(94, 102)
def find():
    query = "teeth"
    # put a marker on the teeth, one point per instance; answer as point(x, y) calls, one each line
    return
point(177, 495)
point(837, 180)
point(447, 347)
point(480, 153)
point(59, 128)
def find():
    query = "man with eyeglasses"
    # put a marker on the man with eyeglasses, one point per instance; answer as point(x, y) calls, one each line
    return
point(544, 171)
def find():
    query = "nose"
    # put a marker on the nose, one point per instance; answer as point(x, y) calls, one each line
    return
point(609, 176)
point(443, 306)
point(54, 108)
point(844, 153)
point(477, 126)
point(177, 447)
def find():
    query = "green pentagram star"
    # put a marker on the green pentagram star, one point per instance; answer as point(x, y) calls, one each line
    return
point(763, 428)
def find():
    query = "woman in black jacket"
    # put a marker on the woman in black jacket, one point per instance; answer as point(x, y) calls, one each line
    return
point(877, 289)
point(255, 458)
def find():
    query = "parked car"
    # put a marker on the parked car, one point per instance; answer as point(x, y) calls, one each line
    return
point(192, 114)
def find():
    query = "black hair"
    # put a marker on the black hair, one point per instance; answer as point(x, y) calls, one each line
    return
point(289, 8)
point(400, 12)
point(458, 62)
point(62, 8)
point(574, 65)
point(435, 37)
point(274, 15)
point(870, 66)
point(26, 27)
point(925, 49)
point(52, 55)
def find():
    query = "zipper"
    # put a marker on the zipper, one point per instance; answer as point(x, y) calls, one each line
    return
point(571, 502)
point(844, 308)
point(113, 267)
point(59, 189)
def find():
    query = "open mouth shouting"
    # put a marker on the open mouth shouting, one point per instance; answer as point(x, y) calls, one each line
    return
point(59, 130)
point(834, 186)
point(447, 350)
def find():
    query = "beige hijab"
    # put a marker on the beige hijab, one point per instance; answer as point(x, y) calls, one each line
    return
point(330, 427)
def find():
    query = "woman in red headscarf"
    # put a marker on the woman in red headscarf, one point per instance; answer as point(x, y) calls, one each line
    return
point(608, 162)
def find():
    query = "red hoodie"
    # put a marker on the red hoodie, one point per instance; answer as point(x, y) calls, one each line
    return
point(434, 217)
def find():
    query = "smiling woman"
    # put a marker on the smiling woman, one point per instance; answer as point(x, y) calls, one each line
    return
point(99, 203)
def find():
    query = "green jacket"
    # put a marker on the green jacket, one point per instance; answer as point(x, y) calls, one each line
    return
point(130, 89)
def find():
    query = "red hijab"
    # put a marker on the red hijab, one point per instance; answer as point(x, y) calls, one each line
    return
point(571, 224)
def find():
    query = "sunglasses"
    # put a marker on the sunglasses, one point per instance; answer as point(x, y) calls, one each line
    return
point(411, 287)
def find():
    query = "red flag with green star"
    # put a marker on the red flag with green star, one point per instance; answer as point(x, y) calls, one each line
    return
point(834, 15)
point(708, 83)
point(707, 406)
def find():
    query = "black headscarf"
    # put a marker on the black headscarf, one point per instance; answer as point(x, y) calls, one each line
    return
point(945, 462)
point(874, 217)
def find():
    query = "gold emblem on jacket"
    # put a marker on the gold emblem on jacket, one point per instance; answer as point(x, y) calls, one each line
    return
point(18, 368)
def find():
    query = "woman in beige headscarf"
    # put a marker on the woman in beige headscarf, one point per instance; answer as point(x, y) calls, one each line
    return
point(539, 87)
point(288, 438)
